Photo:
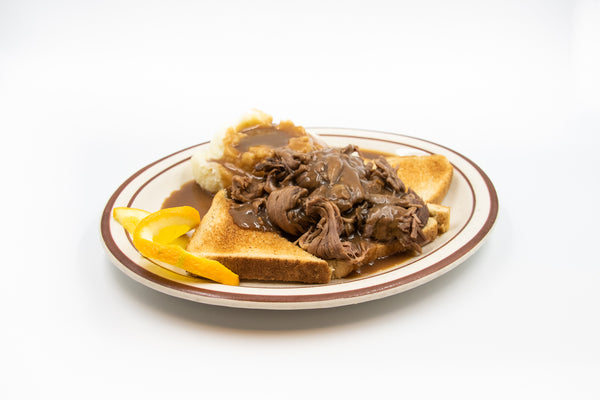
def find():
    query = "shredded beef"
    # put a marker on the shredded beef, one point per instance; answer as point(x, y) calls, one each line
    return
point(284, 208)
point(330, 202)
point(323, 239)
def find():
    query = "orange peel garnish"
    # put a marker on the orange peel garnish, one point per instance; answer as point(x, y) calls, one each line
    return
point(159, 235)
point(129, 217)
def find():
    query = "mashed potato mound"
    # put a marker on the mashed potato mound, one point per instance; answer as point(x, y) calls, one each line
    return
point(242, 146)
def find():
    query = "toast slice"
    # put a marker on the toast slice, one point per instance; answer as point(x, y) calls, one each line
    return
point(259, 255)
point(429, 176)
point(267, 256)
point(254, 255)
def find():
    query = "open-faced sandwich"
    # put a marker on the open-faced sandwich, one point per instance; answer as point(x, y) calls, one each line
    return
point(275, 203)
point(288, 207)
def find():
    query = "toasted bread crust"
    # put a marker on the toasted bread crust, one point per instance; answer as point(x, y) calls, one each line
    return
point(254, 254)
point(429, 176)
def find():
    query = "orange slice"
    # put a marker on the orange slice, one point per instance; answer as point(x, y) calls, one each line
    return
point(154, 234)
point(129, 217)
point(166, 225)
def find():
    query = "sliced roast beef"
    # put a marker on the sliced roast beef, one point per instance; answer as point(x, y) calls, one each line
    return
point(330, 201)
point(323, 238)
point(285, 209)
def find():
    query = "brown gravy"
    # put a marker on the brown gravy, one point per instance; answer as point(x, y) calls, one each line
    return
point(191, 194)
point(380, 264)
point(260, 136)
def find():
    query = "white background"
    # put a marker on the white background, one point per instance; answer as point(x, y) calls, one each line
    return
point(92, 91)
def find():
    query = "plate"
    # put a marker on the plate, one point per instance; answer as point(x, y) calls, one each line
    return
point(472, 198)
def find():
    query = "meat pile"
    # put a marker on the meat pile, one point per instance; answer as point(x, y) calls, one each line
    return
point(330, 202)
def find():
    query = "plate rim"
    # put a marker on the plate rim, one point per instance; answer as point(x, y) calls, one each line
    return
point(298, 301)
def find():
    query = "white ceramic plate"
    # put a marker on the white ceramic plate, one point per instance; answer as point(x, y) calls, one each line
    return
point(472, 198)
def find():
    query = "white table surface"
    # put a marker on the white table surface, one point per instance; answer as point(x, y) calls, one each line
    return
point(92, 91)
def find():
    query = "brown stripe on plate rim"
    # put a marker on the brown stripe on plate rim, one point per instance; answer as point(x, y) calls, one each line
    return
point(338, 282)
point(456, 255)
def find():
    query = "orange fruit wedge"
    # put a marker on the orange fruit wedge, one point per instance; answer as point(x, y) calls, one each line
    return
point(129, 217)
point(159, 236)
point(166, 225)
